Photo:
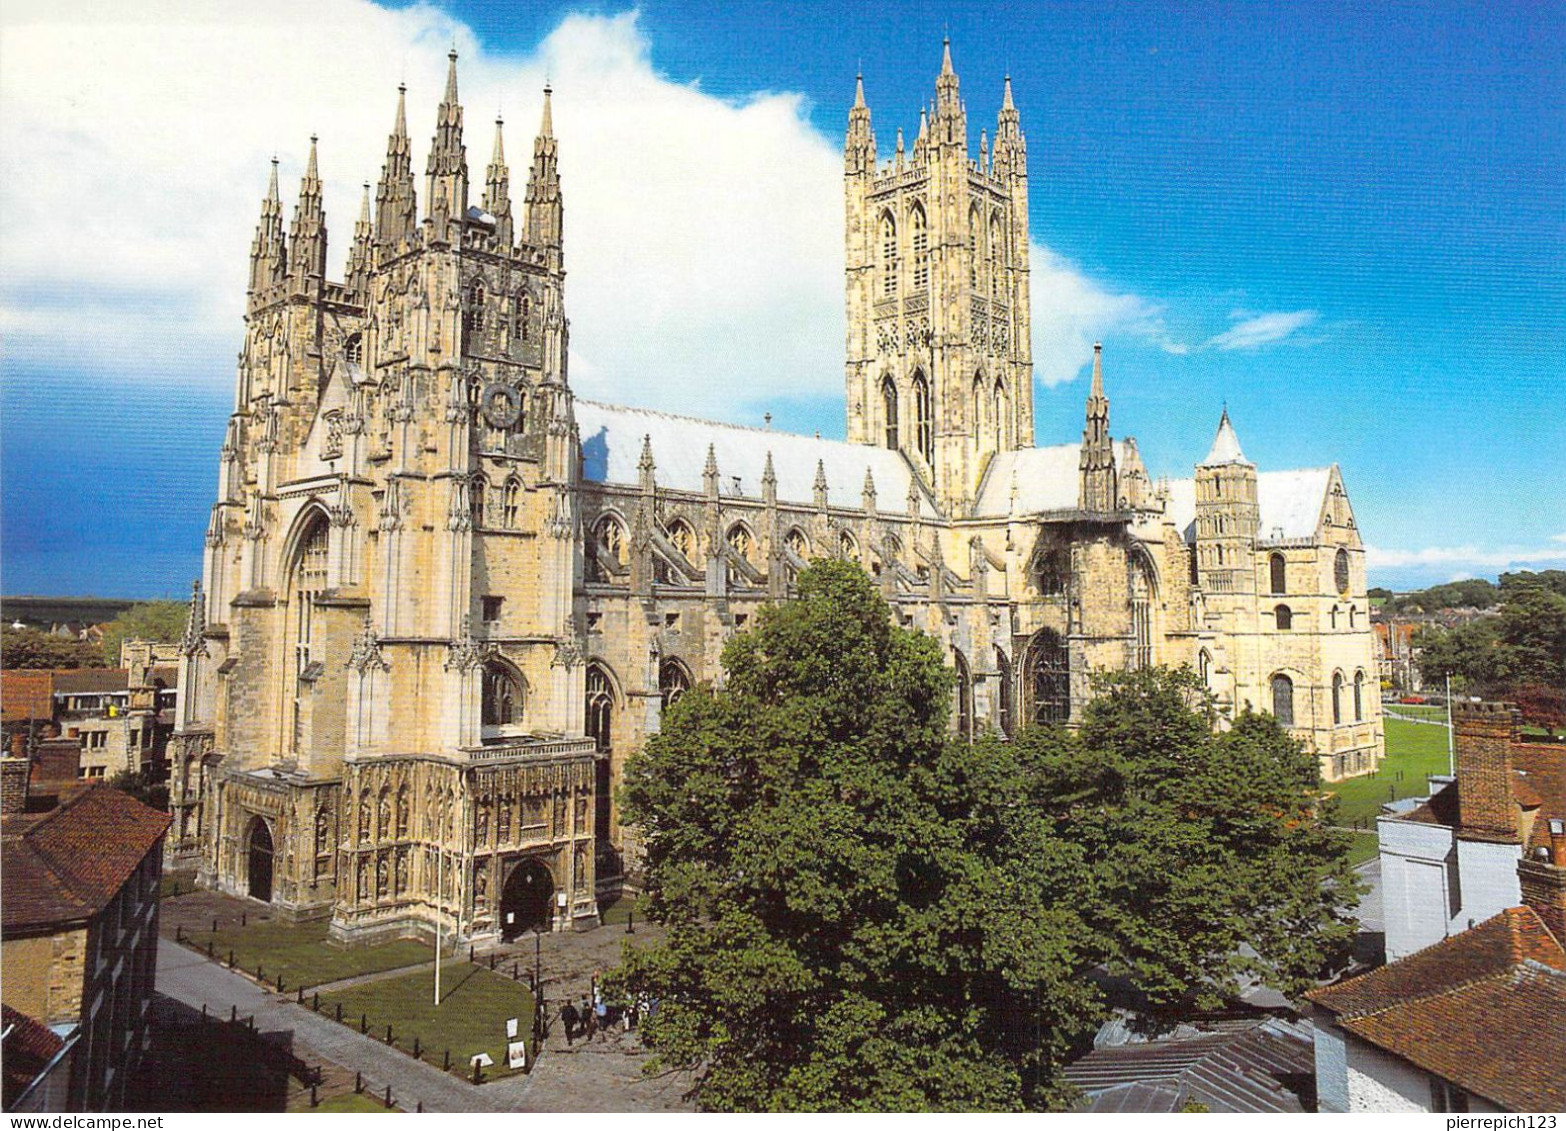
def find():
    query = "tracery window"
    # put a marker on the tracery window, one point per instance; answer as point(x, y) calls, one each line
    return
point(889, 411)
point(503, 699)
point(309, 581)
point(683, 539)
point(353, 349)
point(1283, 699)
point(1048, 679)
point(600, 707)
point(997, 247)
point(1052, 571)
point(608, 549)
point(475, 311)
point(924, 419)
point(847, 546)
point(673, 682)
point(521, 307)
point(973, 248)
point(964, 693)
point(888, 256)
point(1141, 615)
point(921, 249)
point(511, 503)
point(797, 543)
point(980, 395)
point(1340, 571)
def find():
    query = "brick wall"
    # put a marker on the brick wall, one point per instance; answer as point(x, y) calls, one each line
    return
point(1483, 734)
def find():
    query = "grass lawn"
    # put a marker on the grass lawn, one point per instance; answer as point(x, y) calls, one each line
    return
point(352, 1101)
point(301, 953)
point(176, 883)
point(1414, 751)
point(471, 1017)
point(1363, 847)
point(618, 913)
point(1415, 711)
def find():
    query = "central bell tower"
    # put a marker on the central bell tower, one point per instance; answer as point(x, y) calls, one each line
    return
point(939, 365)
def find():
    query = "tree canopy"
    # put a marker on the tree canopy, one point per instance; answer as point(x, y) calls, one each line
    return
point(34, 648)
point(1524, 645)
point(866, 913)
point(159, 621)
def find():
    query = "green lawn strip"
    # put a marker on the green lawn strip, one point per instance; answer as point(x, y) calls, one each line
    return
point(351, 1101)
point(1414, 751)
point(471, 1018)
point(1364, 846)
point(618, 913)
point(1415, 711)
point(301, 952)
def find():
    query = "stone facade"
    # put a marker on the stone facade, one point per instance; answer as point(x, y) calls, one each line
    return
point(444, 599)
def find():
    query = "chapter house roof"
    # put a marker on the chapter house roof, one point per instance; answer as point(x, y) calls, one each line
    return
point(1482, 1009)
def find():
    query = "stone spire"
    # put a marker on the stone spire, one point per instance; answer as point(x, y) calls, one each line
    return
point(769, 482)
point(1011, 151)
point(396, 209)
point(360, 253)
point(867, 492)
point(709, 472)
point(1226, 445)
point(820, 485)
point(268, 253)
point(859, 149)
point(307, 236)
point(645, 467)
point(497, 189)
point(951, 121)
point(446, 171)
point(545, 214)
point(1097, 465)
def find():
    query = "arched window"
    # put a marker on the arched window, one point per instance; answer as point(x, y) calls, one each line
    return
point(683, 539)
point(1048, 679)
point(1052, 571)
point(511, 503)
point(964, 693)
point(610, 553)
point(997, 251)
point(980, 395)
point(1003, 673)
point(308, 581)
point(924, 418)
point(1001, 415)
point(743, 543)
point(1332, 617)
point(1141, 613)
point(1337, 698)
point(475, 311)
point(600, 707)
point(1353, 613)
point(1359, 697)
point(797, 543)
point(503, 697)
point(1340, 571)
point(1279, 573)
point(847, 547)
point(888, 256)
point(521, 308)
point(1204, 667)
point(673, 681)
point(1285, 617)
point(973, 248)
point(889, 411)
point(921, 249)
point(353, 349)
point(1283, 699)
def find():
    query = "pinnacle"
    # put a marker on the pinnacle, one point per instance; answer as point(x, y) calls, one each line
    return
point(946, 55)
point(310, 170)
point(712, 460)
point(1006, 103)
point(401, 127)
point(859, 92)
point(451, 78)
point(364, 206)
point(271, 191)
point(1098, 371)
point(499, 157)
point(546, 125)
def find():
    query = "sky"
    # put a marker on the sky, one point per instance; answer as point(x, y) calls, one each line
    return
point(1344, 222)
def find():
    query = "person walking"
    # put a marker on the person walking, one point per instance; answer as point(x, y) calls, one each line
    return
point(569, 1018)
point(601, 1012)
point(589, 1021)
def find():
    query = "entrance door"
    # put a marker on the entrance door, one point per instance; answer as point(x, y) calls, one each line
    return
point(528, 899)
point(260, 861)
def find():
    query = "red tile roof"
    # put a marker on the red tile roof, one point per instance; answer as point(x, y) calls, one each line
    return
point(1482, 1009)
point(26, 694)
point(65, 865)
point(28, 1049)
point(91, 681)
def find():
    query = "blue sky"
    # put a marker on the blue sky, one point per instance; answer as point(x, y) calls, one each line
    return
point(1347, 222)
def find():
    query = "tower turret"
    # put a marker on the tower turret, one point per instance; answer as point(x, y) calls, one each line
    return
point(950, 125)
point(859, 148)
point(396, 210)
point(1227, 516)
point(362, 251)
point(545, 213)
point(446, 171)
point(497, 190)
point(307, 236)
point(268, 253)
point(1098, 490)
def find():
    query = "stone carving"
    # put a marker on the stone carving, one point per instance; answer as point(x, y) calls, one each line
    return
point(366, 653)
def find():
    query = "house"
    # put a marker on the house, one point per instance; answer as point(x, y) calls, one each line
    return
point(78, 943)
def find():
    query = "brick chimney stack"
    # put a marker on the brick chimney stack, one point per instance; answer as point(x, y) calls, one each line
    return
point(13, 785)
point(1483, 734)
point(1541, 877)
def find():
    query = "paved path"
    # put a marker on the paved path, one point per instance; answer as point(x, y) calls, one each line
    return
point(189, 978)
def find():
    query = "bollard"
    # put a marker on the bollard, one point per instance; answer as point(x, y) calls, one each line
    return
point(231, 958)
point(476, 1072)
point(214, 926)
point(315, 1101)
point(388, 1034)
point(244, 919)
point(416, 1047)
point(445, 1062)
point(179, 933)
point(260, 972)
point(233, 1013)
point(358, 1083)
point(388, 1095)
point(630, 922)
point(491, 961)
point(315, 1002)
point(470, 952)
point(339, 1011)
point(252, 1022)
point(364, 1023)
point(419, 1107)
point(210, 952)
point(203, 1011)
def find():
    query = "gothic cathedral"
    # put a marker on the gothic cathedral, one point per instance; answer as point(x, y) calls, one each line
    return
point(443, 599)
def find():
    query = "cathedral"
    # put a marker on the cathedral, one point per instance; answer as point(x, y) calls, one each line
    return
point(443, 599)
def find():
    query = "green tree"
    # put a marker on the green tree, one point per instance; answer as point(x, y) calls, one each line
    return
point(160, 621)
point(1524, 645)
point(1209, 861)
point(144, 787)
point(31, 648)
point(860, 915)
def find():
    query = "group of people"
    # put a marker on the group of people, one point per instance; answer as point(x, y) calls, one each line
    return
point(595, 1015)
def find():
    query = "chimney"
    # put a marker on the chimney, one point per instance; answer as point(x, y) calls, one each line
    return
point(1483, 736)
point(13, 784)
point(59, 763)
point(1541, 875)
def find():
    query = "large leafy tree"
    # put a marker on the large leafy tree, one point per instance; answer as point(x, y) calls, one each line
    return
point(1524, 645)
point(861, 915)
point(160, 621)
point(1209, 863)
point(32, 648)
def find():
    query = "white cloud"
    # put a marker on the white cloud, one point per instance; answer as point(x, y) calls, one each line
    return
point(1471, 559)
point(1071, 311)
point(702, 235)
point(1558, 537)
point(1252, 331)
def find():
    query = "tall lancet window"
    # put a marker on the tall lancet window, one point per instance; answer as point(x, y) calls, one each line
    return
point(1000, 414)
point(973, 248)
point(924, 419)
point(889, 411)
point(997, 260)
point(888, 256)
point(921, 249)
point(308, 582)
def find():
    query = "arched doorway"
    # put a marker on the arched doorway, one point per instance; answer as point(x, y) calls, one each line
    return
point(527, 901)
point(260, 870)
